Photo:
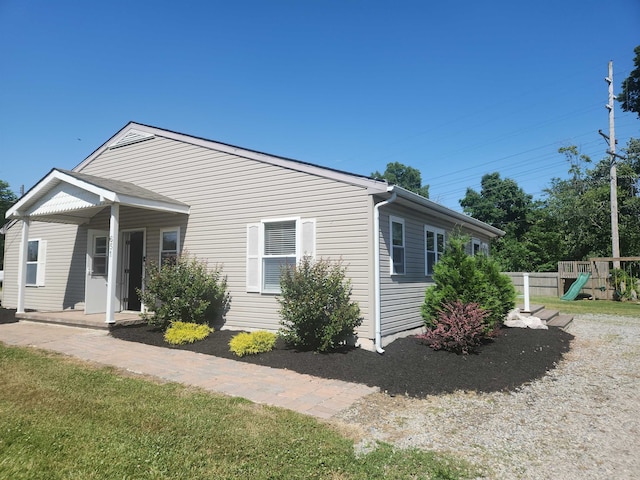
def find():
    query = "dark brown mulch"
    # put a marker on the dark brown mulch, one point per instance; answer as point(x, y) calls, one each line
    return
point(408, 367)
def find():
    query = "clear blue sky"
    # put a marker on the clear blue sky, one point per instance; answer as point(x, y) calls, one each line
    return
point(455, 89)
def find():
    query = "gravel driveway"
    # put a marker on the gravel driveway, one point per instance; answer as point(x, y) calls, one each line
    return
point(582, 420)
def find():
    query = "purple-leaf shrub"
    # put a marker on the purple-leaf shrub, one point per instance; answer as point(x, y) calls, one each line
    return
point(460, 328)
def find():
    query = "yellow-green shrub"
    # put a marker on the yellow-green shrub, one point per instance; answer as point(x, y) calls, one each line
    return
point(180, 333)
point(250, 343)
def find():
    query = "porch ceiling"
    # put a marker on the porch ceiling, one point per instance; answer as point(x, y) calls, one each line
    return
point(71, 197)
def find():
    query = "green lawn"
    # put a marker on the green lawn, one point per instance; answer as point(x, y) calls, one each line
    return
point(608, 307)
point(61, 419)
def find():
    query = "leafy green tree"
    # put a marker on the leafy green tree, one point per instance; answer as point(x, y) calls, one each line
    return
point(580, 208)
point(7, 198)
point(501, 203)
point(405, 177)
point(629, 98)
point(529, 243)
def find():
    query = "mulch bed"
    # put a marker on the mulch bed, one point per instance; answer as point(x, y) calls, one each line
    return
point(408, 367)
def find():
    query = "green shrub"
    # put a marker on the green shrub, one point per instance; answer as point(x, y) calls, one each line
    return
point(181, 333)
point(625, 286)
point(469, 279)
point(460, 328)
point(251, 343)
point(184, 290)
point(315, 306)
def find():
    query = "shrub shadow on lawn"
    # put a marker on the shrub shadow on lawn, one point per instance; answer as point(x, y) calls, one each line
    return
point(408, 367)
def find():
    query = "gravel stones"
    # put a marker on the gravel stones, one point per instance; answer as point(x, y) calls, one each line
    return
point(581, 420)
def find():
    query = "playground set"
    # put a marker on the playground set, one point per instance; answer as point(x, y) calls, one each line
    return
point(599, 280)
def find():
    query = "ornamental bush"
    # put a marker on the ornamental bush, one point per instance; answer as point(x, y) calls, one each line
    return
point(184, 290)
point(315, 306)
point(469, 279)
point(460, 328)
point(251, 343)
point(181, 333)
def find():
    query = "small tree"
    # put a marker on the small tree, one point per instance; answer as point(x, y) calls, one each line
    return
point(469, 279)
point(315, 306)
point(184, 290)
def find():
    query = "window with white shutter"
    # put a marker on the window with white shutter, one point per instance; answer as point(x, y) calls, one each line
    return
point(273, 245)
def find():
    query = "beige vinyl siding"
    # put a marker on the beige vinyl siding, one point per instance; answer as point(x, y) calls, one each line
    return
point(401, 296)
point(226, 193)
point(64, 278)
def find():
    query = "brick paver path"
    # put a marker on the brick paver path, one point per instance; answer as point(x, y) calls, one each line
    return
point(306, 394)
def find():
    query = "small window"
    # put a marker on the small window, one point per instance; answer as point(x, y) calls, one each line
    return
point(32, 262)
point(434, 247)
point(397, 246)
point(479, 247)
point(169, 245)
point(99, 256)
point(279, 251)
point(35, 264)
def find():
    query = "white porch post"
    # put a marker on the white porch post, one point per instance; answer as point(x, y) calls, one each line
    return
point(112, 262)
point(22, 265)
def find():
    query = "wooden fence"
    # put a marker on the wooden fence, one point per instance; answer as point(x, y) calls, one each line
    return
point(541, 284)
point(551, 284)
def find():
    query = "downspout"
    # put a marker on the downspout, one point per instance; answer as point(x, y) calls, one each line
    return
point(376, 244)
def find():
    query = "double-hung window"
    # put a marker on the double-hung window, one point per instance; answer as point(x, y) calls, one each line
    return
point(279, 252)
point(396, 226)
point(35, 263)
point(169, 245)
point(273, 245)
point(434, 247)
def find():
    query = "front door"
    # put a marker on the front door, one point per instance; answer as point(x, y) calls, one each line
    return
point(95, 293)
point(132, 268)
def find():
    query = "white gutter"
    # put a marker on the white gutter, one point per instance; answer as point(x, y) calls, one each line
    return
point(376, 243)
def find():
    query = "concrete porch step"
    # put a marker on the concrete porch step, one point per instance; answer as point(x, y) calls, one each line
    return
point(77, 318)
point(553, 318)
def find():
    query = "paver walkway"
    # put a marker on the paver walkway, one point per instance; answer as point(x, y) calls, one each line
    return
point(306, 394)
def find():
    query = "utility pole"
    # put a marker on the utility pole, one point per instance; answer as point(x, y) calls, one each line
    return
point(615, 238)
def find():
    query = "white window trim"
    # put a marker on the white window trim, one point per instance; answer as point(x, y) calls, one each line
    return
point(436, 231)
point(399, 220)
point(162, 231)
point(305, 245)
point(295, 255)
point(483, 247)
point(40, 263)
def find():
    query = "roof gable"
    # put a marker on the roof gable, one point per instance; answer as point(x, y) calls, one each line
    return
point(71, 197)
point(136, 132)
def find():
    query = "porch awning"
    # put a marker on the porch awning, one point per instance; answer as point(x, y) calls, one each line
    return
point(63, 196)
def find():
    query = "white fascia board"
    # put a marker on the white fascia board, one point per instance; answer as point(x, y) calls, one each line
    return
point(16, 210)
point(21, 207)
point(463, 219)
point(107, 195)
point(153, 204)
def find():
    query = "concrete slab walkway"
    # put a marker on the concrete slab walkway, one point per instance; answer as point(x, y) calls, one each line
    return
point(306, 394)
